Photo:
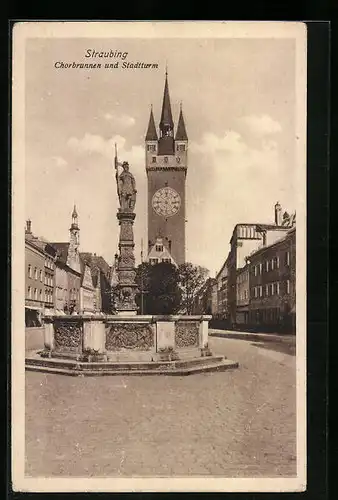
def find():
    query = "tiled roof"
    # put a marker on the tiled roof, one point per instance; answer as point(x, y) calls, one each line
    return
point(96, 263)
point(181, 133)
point(62, 250)
point(151, 132)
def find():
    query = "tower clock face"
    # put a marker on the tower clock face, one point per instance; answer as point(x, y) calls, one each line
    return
point(166, 202)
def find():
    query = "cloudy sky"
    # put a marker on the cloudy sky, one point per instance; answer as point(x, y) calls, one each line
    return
point(238, 100)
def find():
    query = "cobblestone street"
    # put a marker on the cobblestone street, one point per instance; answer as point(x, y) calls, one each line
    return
point(238, 423)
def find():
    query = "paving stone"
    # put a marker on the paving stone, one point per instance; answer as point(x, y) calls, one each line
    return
point(240, 423)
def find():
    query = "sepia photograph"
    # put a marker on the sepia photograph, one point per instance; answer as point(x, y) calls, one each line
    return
point(159, 256)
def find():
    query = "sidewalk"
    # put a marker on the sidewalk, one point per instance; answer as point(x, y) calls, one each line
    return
point(255, 337)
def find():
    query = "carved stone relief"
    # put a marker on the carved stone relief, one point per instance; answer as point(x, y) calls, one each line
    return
point(186, 334)
point(68, 335)
point(129, 336)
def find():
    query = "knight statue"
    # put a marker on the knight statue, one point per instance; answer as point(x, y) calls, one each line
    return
point(126, 186)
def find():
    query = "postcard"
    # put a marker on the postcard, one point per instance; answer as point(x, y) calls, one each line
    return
point(159, 256)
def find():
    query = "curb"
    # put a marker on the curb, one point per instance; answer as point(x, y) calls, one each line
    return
point(255, 337)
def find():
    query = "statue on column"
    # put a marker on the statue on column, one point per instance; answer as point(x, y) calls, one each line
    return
point(126, 186)
point(123, 294)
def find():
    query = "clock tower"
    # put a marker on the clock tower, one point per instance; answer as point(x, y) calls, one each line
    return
point(166, 167)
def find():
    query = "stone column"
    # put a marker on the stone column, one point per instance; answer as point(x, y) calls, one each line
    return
point(126, 305)
point(94, 337)
point(204, 335)
point(48, 335)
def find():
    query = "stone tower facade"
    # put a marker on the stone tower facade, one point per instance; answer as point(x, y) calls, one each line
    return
point(166, 167)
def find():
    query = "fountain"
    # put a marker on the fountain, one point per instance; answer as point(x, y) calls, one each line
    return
point(126, 343)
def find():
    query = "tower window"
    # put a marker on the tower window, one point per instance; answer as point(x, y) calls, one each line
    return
point(151, 147)
point(166, 159)
point(181, 147)
point(153, 159)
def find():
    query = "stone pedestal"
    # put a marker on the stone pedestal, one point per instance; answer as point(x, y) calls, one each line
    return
point(127, 288)
point(114, 345)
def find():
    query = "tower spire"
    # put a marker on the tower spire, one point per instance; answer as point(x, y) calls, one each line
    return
point(166, 123)
point(75, 224)
point(151, 134)
point(166, 144)
point(181, 133)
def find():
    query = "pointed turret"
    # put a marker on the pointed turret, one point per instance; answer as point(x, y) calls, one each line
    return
point(181, 133)
point(166, 123)
point(151, 132)
point(74, 219)
point(166, 141)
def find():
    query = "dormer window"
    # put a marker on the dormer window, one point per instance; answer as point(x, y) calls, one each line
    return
point(159, 248)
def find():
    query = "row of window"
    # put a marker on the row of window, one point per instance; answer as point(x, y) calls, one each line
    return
point(243, 295)
point(246, 232)
point(48, 279)
point(270, 289)
point(49, 263)
point(243, 277)
point(43, 296)
point(270, 264)
point(157, 261)
point(152, 147)
point(38, 275)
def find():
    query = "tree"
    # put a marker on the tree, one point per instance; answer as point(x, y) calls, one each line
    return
point(159, 291)
point(191, 280)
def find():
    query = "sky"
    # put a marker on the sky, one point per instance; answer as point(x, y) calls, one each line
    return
point(238, 100)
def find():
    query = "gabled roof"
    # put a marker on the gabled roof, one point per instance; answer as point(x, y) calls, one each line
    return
point(164, 254)
point(151, 132)
point(96, 262)
point(62, 251)
point(83, 266)
point(181, 133)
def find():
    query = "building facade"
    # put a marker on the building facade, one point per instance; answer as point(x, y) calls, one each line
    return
point(159, 253)
point(39, 279)
point(222, 292)
point(203, 302)
point(87, 290)
point(101, 279)
point(166, 168)
point(34, 283)
point(242, 296)
point(273, 285)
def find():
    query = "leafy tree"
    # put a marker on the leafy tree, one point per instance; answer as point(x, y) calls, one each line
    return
point(159, 291)
point(191, 279)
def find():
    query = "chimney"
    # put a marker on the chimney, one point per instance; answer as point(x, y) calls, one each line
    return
point(29, 226)
point(278, 214)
